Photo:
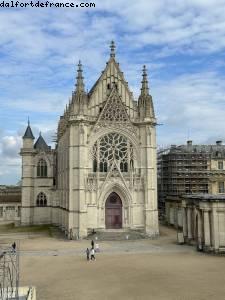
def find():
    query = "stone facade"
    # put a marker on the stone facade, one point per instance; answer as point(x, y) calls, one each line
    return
point(204, 222)
point(102, 173)
point(10, 203)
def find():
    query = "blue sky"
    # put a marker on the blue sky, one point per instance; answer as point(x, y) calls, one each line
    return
point(181, 42)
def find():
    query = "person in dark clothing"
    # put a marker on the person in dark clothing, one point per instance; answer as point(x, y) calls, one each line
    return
point(92, 244)
point(14, 247)
point(88, 254)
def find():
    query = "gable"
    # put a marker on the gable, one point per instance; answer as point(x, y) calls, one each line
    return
point(114, 109)
point(114, 114)
point(111, 76)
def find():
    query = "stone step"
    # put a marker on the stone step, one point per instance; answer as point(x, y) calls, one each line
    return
point(116, 235)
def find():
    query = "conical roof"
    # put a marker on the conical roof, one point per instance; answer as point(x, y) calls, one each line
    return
point(28, 133)
point(41, 144)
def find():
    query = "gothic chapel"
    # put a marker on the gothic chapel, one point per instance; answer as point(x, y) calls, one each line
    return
point(102, 173)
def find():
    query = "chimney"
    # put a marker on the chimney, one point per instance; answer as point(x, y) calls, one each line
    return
point(219, 143)
point(189, 143)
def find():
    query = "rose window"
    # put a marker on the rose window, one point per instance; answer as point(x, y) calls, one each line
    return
point(110, 148)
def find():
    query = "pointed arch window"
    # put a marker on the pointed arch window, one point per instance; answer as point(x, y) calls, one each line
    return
point(113, 148)
point(41, 199)
point(42, 169)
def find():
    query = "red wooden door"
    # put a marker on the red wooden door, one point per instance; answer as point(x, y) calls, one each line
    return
point(113, 211)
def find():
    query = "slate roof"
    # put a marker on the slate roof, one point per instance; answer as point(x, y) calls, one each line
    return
point(10, 194)
point(41, 144)
point(28, 133)
point(10, 198)
point(201, 149)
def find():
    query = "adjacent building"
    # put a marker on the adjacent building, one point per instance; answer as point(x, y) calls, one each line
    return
point(192, 183)
point(204, 221)
point(188, 169)
point(10, 203)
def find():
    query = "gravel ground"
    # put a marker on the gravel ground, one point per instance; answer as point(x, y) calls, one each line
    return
point(127, 270)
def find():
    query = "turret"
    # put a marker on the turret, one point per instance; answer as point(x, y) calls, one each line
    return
point(79, 97)
point(28, 137)
point(145, 105)
point(41, 144)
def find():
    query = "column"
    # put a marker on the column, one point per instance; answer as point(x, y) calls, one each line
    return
point(199, 237)
point(189, 221)
point(206, 229)
point(215, 229)
point(184, 222)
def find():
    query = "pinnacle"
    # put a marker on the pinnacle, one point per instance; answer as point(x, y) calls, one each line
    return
point(80, 83)
point(144, 87)
point(112, 47)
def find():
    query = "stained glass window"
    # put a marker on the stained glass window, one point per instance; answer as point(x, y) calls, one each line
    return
point(112, 147)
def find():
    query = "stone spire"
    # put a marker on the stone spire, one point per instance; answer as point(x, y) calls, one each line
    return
point(80, 82)
point(144, 87)
point(145, 104)
point(79, 96)
point(112, 47)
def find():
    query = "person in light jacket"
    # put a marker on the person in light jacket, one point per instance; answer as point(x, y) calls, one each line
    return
point(92, 252)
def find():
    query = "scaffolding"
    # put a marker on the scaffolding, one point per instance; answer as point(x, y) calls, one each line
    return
point(9, 272)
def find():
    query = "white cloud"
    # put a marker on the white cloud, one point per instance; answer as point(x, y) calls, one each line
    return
point(191, 103)
point(40, 47)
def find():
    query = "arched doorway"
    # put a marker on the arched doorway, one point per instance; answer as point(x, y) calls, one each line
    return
point(113, 212)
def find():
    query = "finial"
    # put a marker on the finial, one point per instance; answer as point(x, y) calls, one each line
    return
point(40, 133)
point(28, 121)
point(144, 87)
point(80, 83)
point(80, 66)
point(144, 70)
point(112, 47)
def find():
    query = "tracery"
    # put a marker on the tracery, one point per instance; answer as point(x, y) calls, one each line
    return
point(111, 148)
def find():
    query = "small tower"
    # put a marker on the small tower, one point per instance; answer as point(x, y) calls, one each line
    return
point(79, 97)
point(28, 137)
point(145, 105)
point(41, 144)
point(27, 154)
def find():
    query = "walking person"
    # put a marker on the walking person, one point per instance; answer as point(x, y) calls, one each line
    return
point(92, 244)
point(93, 254)
point(88, 254)
point(14, 247)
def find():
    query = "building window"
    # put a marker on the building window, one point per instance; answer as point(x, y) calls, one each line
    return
point(41, 199)
point(220, 165)
point(221, 187)
point(110, 149)
point(42, 168)
point(218, 154)
point(10, 208)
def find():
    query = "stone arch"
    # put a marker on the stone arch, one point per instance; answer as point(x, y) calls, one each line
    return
point(42, 168)
point(113, 211)
point(45, 157)
point(41, 200)
point(125, 197)
point(123, 131)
